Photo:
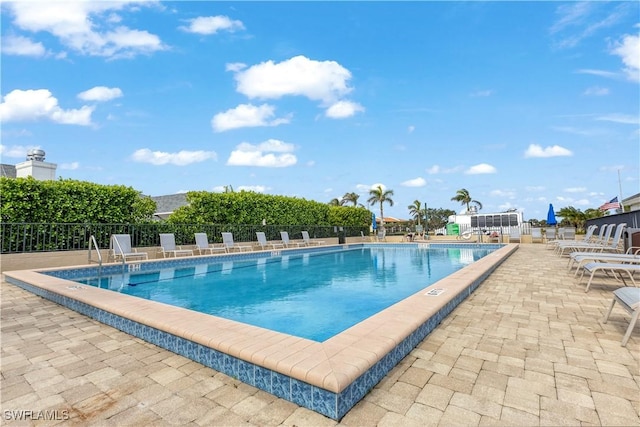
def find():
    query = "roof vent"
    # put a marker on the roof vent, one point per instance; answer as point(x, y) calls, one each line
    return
point(35, 154)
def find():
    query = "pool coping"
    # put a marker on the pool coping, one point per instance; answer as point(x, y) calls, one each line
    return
point(328, 377)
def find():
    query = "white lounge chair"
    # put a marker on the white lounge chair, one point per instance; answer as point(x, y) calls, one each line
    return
point(550, 237)
point(514, 234)
point(610, 268)
point(168, 246)
point(287, 242)
point(264, 243)
point(569, 233)
point(203, 246)
point(629, 299)
point(536, 234)
point(580, 258)
point(227, 241)
point(309, 242)
point(601, 244)
point(588, 238)
point(365, 238)
point(120, 249)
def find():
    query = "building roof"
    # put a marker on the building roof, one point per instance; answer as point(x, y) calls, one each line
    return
point(7, 170)
point(166, 205)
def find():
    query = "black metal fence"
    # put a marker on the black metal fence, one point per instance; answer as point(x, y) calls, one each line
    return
point(632, 219)
point(30, 237)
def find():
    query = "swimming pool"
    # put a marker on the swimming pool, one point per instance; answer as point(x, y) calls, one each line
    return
point(310, 295)
point(328, 377)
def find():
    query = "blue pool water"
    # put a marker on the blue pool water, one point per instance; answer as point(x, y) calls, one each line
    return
point(311, 295)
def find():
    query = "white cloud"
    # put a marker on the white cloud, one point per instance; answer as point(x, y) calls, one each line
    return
point(272, 145)
point(29, 105)
point(235, 66)
point(482, 93)
point(627, 119)
point(17, 151)
point(181, 158)
point(535, 188)
point(212, 24)
point(100, 94)
point(437, 169)
point(505, 194)
point(22, 46)
point(601, 73)
point(575, 189)
point(416, 182)
point(629, 51)
point(88, 28)
point(596, 91)
point(324, 81)
point(479, 169)
point(343, 109)
point(581, 20)
point(262, 155)
point(70, 166)
point(411, 128)
point(247, 115)
point(254, 188)
point(536, 150)
point(375, 186)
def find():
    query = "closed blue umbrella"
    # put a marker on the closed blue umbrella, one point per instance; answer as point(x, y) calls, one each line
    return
point(373, 221)
point(551, 216)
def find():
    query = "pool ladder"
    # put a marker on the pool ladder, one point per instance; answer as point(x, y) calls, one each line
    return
point(94, 244)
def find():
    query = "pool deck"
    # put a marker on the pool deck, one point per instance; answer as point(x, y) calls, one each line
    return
point(526, 348)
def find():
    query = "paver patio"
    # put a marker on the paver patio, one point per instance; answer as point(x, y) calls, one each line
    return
point(527, 348)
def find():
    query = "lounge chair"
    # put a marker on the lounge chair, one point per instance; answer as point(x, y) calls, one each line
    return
point(263, 243)
point(287, 242)
point(588, 238)
point(203, 246)
point(569, 233)
point(514, 234)
point(382, 236)
point(550, 237)
point(536, 234)
point(599, 244)
point(580, 258)
point(365, 238)
point(227, 241)
point(309, 242)
point(168, 246)
point(120, 249)
point(610, 268)
point(629, 299)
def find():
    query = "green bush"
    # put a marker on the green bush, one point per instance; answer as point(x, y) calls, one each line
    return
point(246, 207)
point(70, 201)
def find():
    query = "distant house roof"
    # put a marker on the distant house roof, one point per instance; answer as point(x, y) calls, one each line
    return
point(388, 219)
point(633, 202)
point(166, 205)
point(8, 170)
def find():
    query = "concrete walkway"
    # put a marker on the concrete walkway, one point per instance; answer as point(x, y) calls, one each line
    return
point(527, 348)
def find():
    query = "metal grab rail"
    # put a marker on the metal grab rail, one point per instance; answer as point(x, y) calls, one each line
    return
point(93, 243)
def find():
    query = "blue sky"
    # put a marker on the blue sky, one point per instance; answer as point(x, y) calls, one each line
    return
point(522, 103)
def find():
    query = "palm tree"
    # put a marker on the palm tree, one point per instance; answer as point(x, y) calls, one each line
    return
point(350, 198)
point(378, 195)
point(415, 210)
point(335, 202)
point(464, 198)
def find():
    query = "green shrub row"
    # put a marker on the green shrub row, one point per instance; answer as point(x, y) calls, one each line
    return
point(246, 207)
point(28, 200)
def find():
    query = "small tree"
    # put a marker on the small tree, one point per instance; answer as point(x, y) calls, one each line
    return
point(462, 196)
point(380, 196)
point(416, 211)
